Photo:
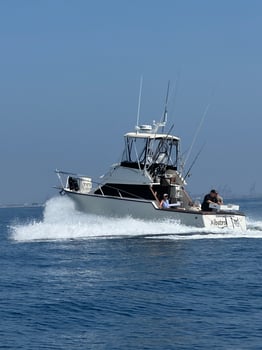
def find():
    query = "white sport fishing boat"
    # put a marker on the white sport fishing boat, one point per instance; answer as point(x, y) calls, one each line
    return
point(151, 166)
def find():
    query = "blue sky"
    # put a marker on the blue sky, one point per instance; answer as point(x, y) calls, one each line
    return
point(69, 85)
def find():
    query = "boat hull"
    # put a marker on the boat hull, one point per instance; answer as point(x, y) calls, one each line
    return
point(148, 210)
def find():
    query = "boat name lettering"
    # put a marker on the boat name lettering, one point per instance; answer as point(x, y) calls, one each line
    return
point(219, 222)
point(235, 221)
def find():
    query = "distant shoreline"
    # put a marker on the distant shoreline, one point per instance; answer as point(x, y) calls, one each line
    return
point(25, 205)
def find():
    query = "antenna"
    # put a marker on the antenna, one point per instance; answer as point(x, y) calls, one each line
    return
point(139, 102)
point(164, 120)
point(175, 95)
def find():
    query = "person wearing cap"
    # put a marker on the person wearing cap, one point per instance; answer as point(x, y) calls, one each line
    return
point(164, 204)
point(211, 197)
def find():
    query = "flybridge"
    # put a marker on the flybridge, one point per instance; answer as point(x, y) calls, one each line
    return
point(146, 147)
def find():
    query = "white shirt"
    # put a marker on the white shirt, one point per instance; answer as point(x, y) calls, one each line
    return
point(165, 204)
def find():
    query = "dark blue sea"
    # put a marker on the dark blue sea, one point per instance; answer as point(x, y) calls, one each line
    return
point(74, 281)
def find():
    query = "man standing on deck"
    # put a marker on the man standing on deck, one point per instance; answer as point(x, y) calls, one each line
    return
point(211, 197)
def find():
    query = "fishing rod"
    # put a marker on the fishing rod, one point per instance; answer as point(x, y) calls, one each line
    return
point(194, 160)
point(196, 133)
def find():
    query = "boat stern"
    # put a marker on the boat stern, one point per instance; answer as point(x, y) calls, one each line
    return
point(235, 221)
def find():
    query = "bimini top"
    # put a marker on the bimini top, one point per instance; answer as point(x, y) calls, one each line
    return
point(151, 136)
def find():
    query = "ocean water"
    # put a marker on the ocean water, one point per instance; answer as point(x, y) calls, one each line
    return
point(75, 281)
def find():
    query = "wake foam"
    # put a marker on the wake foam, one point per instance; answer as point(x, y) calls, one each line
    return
point(62, 222)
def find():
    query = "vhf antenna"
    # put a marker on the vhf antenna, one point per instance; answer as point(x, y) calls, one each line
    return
point(165, 110)
point(139, 103)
